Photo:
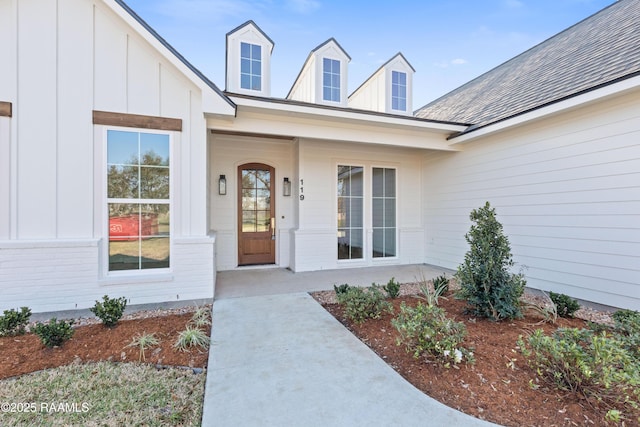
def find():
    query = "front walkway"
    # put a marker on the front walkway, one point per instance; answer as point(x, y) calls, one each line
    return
point(279, 359)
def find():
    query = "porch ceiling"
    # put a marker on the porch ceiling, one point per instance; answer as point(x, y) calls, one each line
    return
point(264, 117)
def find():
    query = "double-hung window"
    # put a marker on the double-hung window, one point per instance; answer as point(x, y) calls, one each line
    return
point(330, 80)
point(398, 91)
point(138, 199)
point(250, 66)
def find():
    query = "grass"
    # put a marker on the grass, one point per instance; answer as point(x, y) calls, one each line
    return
point(105, 394)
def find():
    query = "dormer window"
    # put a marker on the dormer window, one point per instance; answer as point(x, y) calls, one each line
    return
point(250, 66)
point(249, 60)
point(398, 91)
point(331, 80)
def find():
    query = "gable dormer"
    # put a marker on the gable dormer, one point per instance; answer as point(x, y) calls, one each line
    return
point(388, 90)
point(323, 78)
point(249, 60)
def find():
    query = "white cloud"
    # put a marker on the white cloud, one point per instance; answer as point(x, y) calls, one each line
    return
point(303, 6)
point(459, 61)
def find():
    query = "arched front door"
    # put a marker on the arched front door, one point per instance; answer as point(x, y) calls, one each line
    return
point(256, 215)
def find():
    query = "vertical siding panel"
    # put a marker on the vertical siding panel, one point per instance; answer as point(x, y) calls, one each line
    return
point(110, 62)
point(75, 142)
point(36, 119)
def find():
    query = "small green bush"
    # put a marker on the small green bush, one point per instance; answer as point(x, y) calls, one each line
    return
point(427, 331)
point(566, 306)
point(342, 289)
point(54, 333)
point(14, 322)
point(596, 365)
point(486, 283)
point(362, 304)
point(441, 284)
point(392, 288)
point(627, 326)
point(110, 310)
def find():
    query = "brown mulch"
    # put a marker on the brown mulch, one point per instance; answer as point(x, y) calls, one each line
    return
point(93, 342)
point(497, 387)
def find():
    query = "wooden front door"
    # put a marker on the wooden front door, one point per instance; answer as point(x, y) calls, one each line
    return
point(256, 215)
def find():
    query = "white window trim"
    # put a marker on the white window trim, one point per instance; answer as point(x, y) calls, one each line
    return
point(101, 225)
point(330, 101)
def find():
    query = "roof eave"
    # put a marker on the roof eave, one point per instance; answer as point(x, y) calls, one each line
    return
point(613, 88)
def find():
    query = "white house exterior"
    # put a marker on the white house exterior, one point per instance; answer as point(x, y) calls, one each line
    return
point(125, 171)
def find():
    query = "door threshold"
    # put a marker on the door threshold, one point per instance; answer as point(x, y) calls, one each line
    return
point(257, 267)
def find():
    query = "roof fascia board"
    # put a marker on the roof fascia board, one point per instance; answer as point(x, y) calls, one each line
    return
point(552, 109)
point(209, 89)
point(318, 110)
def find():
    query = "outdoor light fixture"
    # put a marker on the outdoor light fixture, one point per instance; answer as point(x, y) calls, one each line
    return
point(222, 185)
point(286, 187)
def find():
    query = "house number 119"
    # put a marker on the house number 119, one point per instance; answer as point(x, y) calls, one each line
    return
point(301, 189)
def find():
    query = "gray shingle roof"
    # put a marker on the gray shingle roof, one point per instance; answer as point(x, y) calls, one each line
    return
point(597, 51)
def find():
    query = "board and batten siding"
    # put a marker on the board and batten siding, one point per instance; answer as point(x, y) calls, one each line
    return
point(315, 245)
point(74, 57)
point(567, 191)
point(226, 153)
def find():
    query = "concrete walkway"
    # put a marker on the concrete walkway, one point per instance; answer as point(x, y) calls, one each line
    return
point(282, 360)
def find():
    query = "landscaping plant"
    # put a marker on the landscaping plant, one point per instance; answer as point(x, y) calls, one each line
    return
point(565, 305)
point(143, 342)
point(341, 289)
point(627, 326)
point(201, 317)
point(441, 284)
point(425, 330)
point(362, 304)
point(192, 337)
point(14, 322)
point(54, 333)
point(596, 365)
point(485, 280)
point(392, 288)
point(110, 310)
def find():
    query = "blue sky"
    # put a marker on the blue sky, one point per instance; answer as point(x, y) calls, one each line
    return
point(447, 42)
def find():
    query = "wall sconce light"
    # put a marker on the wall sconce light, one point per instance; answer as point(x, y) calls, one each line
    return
point(286, 187)
point(222, 185)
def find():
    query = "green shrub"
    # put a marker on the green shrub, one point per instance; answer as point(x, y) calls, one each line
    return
point(54, 333)
point(342, 289)
point(595, 365)
point(565, 305)
point(361, 304)
point(486, 283)
point(627, 326)
point(427, 331)
point(393, 288)
point(441, 284)
point(110, 310)
point(14, 322)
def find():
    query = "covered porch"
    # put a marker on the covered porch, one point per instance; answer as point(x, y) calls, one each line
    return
point(257, 281)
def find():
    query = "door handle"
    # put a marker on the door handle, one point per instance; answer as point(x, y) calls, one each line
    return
point(273, 229)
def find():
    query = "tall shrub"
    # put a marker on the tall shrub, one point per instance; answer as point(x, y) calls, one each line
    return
point(486, 282)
